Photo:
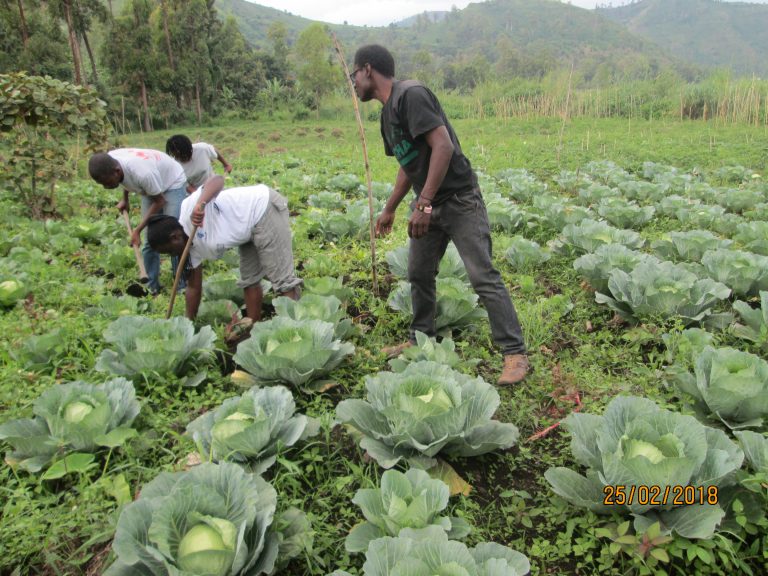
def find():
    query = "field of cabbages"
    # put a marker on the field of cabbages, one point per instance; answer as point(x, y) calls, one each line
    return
point(637, 257)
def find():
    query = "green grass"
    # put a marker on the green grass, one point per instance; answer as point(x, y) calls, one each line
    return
point(64, 527)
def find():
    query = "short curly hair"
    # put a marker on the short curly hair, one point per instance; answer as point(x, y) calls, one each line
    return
point(179, 147)
point(378, 57)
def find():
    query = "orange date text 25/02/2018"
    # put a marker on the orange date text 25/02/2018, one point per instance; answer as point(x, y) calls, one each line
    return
point(653, 495)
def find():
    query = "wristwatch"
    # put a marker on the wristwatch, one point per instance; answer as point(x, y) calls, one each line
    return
point(427, 209)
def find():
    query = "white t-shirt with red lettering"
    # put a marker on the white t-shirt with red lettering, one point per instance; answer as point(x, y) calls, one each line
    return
point(148, 172)
point(229, 220)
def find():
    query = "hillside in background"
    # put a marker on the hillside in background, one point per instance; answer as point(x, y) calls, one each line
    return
point(510, 34)
point(706, 32)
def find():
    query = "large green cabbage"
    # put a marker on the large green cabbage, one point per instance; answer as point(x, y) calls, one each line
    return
point(753, 236)
point(149, 347)
point(622, 214)
point(428, 552)
point(744, 273)
point(588, 235)
point(410, 500)
point(215, 520)
point(284, 350)
point(251, 429)
point(688, 246)
point(662, 290)
point(636, 444)
point(596, 267)
point(76, 416)
point(525, 254)
point(425, 410)
point(729, 385)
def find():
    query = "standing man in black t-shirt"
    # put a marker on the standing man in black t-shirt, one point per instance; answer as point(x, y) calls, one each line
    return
point(448, 205)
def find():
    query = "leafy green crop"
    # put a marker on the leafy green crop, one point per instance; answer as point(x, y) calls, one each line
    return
point(729, 386)
point(284, 350)
point(596, 267)
point(72, 417)
point(215, 520)
point(425, 410)
point(316, 307)
point(636, 444)
point(429, 552)
point(588, 235)
point(251, 429)
point(664, 290)
point(410, 500)
point(744, 273)
point(456, 304)
point(149, 346)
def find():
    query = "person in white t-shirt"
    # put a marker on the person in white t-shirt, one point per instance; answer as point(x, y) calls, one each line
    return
point(196, 159)
point(157, 178)
point(252, 218)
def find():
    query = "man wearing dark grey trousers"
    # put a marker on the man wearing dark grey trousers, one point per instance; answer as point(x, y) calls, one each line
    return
point(448, 206)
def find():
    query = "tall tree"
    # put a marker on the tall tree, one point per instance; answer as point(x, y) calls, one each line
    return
point(130, 54)
point(317, 73)
point(278, 36)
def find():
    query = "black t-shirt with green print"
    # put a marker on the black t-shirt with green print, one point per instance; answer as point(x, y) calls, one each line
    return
point(411, 111)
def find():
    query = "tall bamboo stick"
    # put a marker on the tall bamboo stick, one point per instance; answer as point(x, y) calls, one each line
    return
point(360, 128)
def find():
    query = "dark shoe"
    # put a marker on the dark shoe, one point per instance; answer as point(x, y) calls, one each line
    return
point(515, 369)
point(395, 351)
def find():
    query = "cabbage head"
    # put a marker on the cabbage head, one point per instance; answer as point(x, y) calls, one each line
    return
point(426, 410)
point(251, 429)
point(284, 350)
point(217, 313)
point(753, 236)
point(743, 272)
point(72, 417)
point(635, 443)
point(588, 235)
point(316, 307)
point(729, 385)
point(410, 500)
point(525, 254)
point(503, 214)
point(596, 267)
point(556, 214)
point(215, 520)
point(456, 304)
point(11, 291)
point(149, 346)
point(328, 286)
point(662, 290)
point(223, 286)
point(429, 552)
point(688, 246)
point(622, 214)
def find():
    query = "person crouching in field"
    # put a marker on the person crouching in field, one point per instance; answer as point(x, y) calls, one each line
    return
point(157, 178)
point(253, 218)
point(195, 159)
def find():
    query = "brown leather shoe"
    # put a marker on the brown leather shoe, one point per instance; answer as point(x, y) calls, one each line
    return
point(396, 350)
point(515, 369)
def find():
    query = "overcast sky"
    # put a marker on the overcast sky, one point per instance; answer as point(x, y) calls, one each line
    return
point(382, 12)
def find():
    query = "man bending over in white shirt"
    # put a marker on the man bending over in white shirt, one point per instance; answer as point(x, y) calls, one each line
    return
point(253, 218)
point(196, 159)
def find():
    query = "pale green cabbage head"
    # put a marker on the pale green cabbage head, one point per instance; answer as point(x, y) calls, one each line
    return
point(426, 410)
point(636, 444)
